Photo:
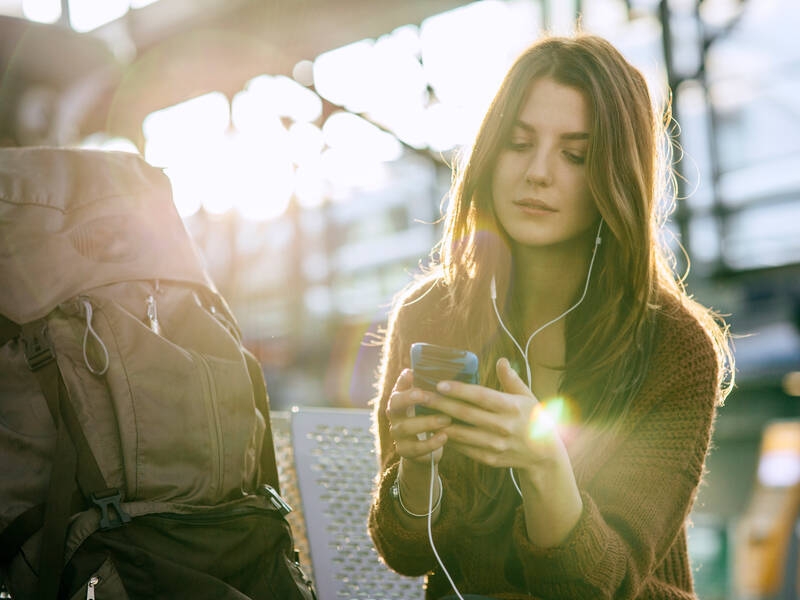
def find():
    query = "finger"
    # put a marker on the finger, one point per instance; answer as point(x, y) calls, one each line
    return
point(413, 448)
point(482, 455)
point(460, 410)
point(478, 438)
point(464, 411)
point(404, 381)
point(509, 379)
point(481, 396)
point(401, 401)
point(492, 459)
point(413, 426)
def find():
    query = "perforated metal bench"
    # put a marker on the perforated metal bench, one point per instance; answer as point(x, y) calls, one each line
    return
point(327, 465)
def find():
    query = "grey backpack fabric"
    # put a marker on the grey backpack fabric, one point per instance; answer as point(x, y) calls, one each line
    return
point(134, 440)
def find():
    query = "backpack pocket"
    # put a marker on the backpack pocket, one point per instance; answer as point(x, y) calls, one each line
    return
point(184, 426)
point(215, 554)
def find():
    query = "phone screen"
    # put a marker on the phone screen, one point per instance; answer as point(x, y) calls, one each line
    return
point(432, 363)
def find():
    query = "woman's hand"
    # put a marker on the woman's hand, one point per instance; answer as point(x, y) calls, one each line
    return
point(510, 429)
point(507, 426)
point(408, 432)
point(404, 427)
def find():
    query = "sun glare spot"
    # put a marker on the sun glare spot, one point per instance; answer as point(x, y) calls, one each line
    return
point(546, 417)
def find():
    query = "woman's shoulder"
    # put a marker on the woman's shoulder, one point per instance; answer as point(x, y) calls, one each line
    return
point(421, 301)
point(683, 344)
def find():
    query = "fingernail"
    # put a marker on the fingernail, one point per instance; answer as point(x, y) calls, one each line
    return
point(443, 386)
point(443, 420)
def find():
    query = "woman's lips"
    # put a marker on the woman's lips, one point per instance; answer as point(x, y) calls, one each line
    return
point(534, 207)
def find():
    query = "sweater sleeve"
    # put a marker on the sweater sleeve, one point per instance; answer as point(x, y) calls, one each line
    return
point(407, 552)
point(636, 505)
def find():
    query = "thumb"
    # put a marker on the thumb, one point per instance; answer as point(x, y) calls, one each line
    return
point(509, 379)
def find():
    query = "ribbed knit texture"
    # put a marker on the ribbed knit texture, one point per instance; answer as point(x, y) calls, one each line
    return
point(630, 540)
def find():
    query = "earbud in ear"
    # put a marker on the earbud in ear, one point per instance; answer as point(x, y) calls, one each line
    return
point(493, 289)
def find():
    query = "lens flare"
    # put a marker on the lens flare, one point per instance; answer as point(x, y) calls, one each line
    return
point(546, 417)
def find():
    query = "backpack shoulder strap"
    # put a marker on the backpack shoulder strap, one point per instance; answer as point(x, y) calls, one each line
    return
point(58, 505)
point(8, 330)
point(63, 499)
point(41, 360)
point(269, 466)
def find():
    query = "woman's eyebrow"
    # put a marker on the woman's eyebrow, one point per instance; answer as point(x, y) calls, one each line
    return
point(575, 135)
point(572, 135)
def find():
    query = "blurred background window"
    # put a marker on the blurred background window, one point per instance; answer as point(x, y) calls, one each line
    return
point(310, 146)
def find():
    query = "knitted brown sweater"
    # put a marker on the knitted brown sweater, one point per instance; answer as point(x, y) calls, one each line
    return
point(630, 540)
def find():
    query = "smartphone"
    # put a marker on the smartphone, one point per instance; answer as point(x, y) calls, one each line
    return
point(432, 364)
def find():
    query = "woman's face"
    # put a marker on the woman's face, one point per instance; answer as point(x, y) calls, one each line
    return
point(539, 189)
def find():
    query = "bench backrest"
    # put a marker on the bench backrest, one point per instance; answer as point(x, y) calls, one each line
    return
point(333, 455)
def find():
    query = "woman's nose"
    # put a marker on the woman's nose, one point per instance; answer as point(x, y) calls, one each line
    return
point(539, 170)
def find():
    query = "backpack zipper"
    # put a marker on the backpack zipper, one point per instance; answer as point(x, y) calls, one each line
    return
point(212, 413)
point(214, 518)
point(90, 587)
point(152, 308)
point(152, 315)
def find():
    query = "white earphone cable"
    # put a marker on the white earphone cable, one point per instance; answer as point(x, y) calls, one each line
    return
point(524, 353)
point(430, 533)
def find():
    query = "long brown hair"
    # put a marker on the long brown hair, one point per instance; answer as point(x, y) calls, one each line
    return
point(608, 338)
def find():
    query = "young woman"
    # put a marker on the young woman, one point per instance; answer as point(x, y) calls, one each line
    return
point(550, 270)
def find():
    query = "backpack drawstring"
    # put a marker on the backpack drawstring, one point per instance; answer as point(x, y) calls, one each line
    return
point(87, 307)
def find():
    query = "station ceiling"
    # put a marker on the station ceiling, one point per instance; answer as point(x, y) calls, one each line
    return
point(174, 50)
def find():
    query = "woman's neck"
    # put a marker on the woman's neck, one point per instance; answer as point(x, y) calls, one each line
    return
point(549, 279)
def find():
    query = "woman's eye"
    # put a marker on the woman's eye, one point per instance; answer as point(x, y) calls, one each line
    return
point(519, 146)
point(575, 158)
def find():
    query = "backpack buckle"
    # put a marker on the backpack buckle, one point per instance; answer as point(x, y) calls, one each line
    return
point(110, 497)
point(275, 499)
point(38, 350)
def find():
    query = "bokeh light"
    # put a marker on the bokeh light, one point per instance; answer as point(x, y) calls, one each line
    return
point(85, 15)
point(188, 139)
point(284, 97)
point(791, 383)
point(42, 11)
point(357, 137)
point(344, 75)
point(203, 117)
point(305, 143)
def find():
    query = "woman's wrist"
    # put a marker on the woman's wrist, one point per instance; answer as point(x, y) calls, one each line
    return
point(537, 481)
point(552, 502)
point(414, 484)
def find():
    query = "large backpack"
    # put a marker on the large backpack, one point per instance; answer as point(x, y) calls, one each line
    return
point(136, 459)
